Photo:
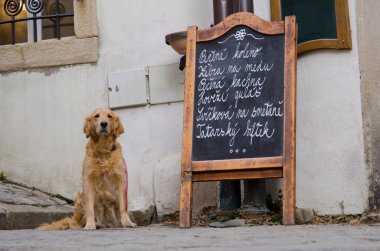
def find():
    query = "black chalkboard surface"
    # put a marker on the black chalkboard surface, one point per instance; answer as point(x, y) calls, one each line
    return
point(239, 96)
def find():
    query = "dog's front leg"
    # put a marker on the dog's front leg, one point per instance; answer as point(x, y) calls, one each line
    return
point(89, 197)
point(125, 220)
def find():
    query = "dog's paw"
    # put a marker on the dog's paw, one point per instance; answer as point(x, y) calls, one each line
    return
point(132, 224)
point(126, 221)
point(90, 226)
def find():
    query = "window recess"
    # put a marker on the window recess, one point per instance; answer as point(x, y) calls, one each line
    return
point(34, 20)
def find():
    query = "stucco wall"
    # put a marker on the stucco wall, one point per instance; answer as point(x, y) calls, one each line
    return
point(369, 51)
point(42, 112)
point(42, 115)
point(331, 174)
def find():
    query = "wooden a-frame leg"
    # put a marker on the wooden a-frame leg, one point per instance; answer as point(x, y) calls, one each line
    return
point(289, 163)
point(186, 200)
point(289, 195)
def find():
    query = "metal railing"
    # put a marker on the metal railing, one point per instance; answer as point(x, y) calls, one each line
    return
point(34, 7)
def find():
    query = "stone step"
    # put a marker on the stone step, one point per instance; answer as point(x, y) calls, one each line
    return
point(22, 207)
point(29, 217)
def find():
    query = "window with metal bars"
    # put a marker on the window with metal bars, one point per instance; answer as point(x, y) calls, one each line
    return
point(33, 20)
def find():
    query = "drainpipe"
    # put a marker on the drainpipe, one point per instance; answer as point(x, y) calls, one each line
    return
point(222, 9)
point(246, 6)
point(254, 191)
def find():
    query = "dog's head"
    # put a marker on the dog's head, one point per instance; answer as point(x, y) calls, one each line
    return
point(102, 122)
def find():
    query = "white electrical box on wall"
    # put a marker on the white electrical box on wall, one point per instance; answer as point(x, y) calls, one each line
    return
point(151, 85)
point(127, 88)
point(165, 84)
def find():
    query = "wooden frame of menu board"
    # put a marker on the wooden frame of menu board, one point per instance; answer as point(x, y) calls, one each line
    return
point(239, 118)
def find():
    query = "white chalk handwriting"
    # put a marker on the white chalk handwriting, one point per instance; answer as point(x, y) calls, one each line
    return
point(235, 95)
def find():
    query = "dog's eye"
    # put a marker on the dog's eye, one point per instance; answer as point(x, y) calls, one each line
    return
point(96, 116)
point(109, 116)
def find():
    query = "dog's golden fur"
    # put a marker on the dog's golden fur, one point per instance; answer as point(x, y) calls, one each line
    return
point(102, 202)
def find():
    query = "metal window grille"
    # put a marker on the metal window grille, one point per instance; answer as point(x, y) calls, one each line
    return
point(34, 7)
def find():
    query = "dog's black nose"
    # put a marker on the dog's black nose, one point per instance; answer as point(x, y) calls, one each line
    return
point(103, 124)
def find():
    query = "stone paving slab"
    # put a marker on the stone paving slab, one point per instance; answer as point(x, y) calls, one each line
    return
point(161, 237)
point(23, 208)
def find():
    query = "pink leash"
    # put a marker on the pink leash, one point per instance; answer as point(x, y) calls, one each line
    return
point(126, 185)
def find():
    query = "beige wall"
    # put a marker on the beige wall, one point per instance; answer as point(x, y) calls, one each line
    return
point(331, 173)
point(369, 52)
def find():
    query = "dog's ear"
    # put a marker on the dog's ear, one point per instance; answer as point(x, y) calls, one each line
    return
point(118, 127)
point(87, 126)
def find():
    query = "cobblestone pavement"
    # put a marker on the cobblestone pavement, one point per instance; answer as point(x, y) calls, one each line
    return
point(160, 237)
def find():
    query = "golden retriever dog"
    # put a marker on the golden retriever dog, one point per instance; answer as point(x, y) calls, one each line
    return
point(103, 202)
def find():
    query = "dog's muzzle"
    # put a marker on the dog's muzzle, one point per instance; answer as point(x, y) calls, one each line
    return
point(103, 126)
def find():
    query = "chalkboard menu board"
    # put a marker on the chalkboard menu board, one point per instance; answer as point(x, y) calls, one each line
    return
point(239, 96)
point(239, 117)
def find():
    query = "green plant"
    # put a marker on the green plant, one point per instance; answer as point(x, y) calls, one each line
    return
point(235, 214)
point(2, 176)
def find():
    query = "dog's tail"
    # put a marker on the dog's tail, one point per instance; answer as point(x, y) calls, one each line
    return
point(69, 222)
point(65, 223)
